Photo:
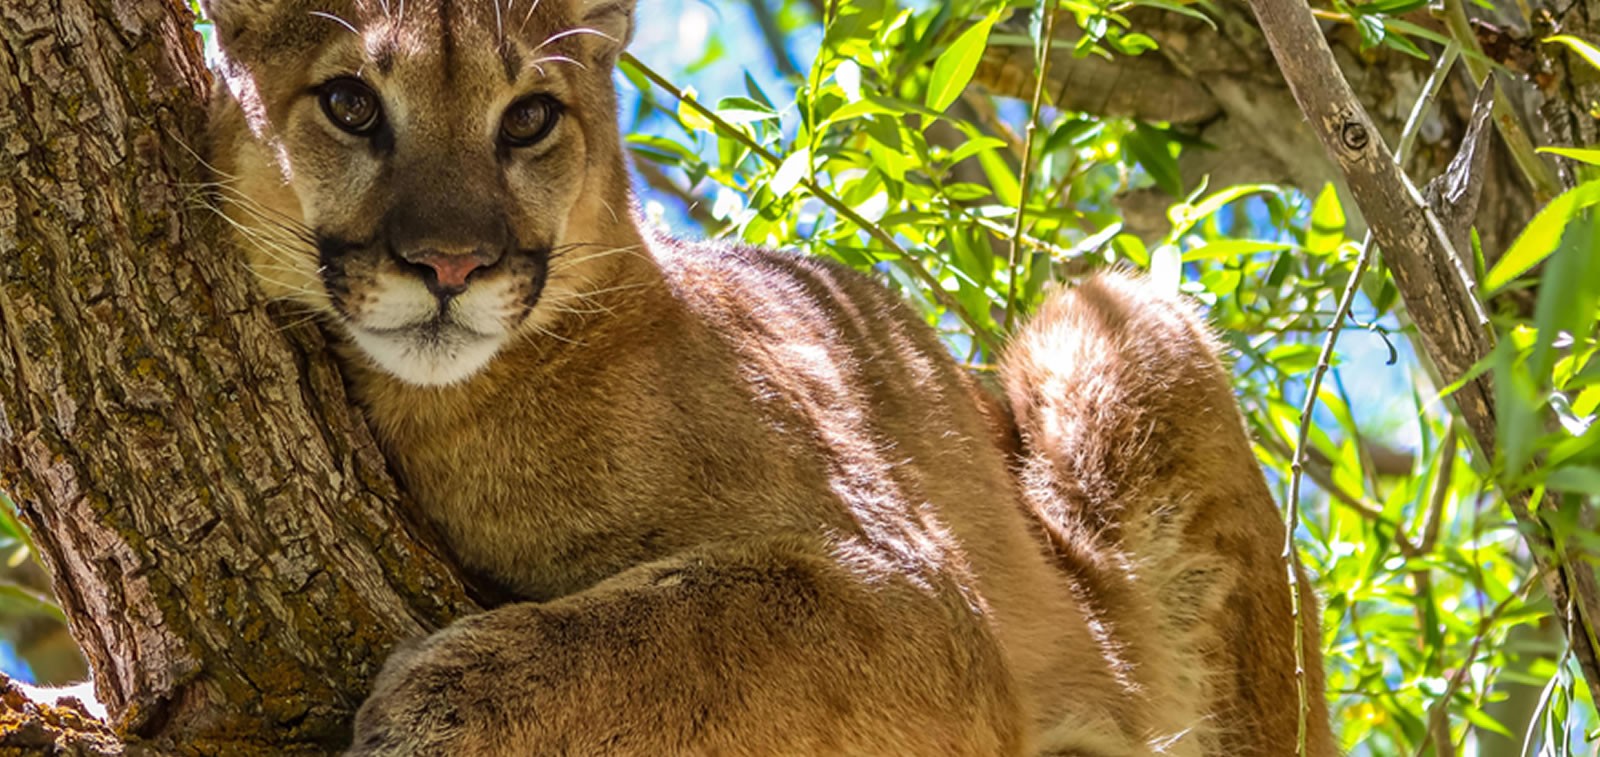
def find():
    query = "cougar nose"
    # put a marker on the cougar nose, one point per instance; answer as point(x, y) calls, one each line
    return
point(450, 270)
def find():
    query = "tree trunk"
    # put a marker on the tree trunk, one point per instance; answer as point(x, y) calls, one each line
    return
point(221, 529)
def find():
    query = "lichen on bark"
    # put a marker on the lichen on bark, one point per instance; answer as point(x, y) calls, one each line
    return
point(221, 528)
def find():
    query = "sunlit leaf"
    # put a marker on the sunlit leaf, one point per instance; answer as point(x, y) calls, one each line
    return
point(1579, 46)
point(1150, 148)
point(1327, 223)
point(1232, 248)
point(791, 173)
point(1589, 155)
point(1542, 235)
point(955, 67)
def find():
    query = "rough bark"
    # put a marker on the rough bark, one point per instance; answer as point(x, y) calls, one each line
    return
point(222, 531)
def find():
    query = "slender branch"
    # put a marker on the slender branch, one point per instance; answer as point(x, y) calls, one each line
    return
point(1430, 277)
point(1441, 489)
point(839, 206)
point(1297, 470)
point(1041, 72)
point(1346, 300)
point(1436, 714)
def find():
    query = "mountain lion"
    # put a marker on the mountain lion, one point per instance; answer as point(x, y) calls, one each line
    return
point(745, 501)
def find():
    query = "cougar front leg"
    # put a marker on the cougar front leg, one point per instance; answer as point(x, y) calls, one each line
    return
point(760, 649)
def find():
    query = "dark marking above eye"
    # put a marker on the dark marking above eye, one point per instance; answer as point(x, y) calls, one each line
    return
point(447, 38)
point(511, 59)
point(383, 56)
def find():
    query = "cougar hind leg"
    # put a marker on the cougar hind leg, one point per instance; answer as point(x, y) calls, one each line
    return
point(1136, 462)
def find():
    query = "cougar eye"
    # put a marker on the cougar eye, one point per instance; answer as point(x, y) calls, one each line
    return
point(529, 120)
point(350, 104)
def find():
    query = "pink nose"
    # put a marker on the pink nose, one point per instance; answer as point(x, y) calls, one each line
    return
point(451, 270)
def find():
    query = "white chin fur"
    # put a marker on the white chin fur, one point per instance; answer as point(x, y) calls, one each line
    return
point(441, 361)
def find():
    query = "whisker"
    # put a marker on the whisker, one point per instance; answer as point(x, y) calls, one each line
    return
point(555, 59)
point(571, 33)
point(527, 16)
point(553, 335)
point(336, 19)
point(314, 315)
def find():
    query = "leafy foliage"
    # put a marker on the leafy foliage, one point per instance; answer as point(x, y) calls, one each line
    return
point(882, 154)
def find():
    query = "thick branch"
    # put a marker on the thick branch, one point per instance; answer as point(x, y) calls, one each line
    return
point(221, 529)
point(1428, 272)
point(1222, 85)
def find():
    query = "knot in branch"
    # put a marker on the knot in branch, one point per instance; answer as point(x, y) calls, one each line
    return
point(1354, 136)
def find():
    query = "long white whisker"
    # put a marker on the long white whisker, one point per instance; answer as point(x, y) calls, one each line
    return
point(531, 9)
point(555, 59)
point(336, 19)
point(572, 33)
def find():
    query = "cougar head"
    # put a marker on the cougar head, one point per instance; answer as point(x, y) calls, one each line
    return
point(430, 174)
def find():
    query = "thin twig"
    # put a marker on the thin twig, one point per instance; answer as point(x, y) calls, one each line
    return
point(1314, 387)
point(1296, 472)
point(1041, 71)
point(1436, 714)
point(839, 206)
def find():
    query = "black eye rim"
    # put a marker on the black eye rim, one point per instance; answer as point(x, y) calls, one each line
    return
point(553, 112)
point(328, 88)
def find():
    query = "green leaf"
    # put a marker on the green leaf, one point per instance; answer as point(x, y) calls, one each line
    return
point(1005, 183)
point(959, 62)
point(1391, 7)
point(1132, 44)
point(848, 75)
point(1294, 358)
point(966, 192)
point(1578, 480)
point(756, 93)
point(742, 110)
point(1589, 155)
point(1232, 248)
point(1397, 41)
point(661, 149)
point(794, 169)
point(1327, 223)
point(1542, 235)
point(1578, 46)
point(1148, 146)
point(691, 117)
point(973, 146)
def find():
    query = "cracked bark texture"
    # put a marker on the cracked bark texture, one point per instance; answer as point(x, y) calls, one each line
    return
point(221, 530)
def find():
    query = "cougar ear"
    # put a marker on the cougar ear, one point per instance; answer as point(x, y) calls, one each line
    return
point(612, 18)
point(230, 17)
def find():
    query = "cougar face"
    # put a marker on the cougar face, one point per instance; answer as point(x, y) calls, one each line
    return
point(413, 169)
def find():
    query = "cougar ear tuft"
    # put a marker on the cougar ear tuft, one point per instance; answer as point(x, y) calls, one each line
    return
point(613, 18)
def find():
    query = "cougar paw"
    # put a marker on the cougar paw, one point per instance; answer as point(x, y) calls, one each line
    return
point(428, 698)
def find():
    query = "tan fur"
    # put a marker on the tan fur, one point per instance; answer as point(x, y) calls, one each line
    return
point(747, 502)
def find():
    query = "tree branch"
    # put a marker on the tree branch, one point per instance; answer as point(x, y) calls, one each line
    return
point(1428, 273)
